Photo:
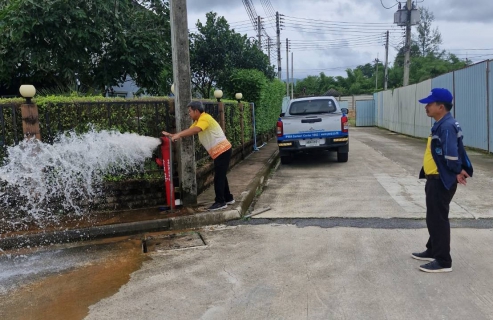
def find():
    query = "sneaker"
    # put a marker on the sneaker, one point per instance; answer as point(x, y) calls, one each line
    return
point(230, 201)
point(434, 267)
point(217, 206)
point(423, 256)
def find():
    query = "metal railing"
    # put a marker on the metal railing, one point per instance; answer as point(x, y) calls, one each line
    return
point(10, 128)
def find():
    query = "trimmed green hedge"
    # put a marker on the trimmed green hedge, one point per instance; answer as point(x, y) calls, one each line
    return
point(266, 95)
point(145, 116)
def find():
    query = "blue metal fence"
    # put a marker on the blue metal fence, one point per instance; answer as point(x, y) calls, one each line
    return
point(471, 109)
point(472, 88)
point(490, 105)
point(365, 113)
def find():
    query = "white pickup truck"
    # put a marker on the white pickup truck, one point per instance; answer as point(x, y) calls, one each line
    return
point(310, 124)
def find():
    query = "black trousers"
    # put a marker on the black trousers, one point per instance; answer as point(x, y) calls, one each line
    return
point(438, 200)
point(221, 186)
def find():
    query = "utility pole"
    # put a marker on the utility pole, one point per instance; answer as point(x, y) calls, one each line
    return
point(292, 76)
point(287, 67)
point(268, 48)
point(278, 31)
point(183, 95)
point(376, 74)
point(407, 17)
point(386, 62)
point(407, 56)
point(259, 32)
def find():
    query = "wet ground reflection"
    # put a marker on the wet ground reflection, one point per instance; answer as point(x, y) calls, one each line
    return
point(61, 282)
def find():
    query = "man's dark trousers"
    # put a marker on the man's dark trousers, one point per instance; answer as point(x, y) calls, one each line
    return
point(221, 186)
point(438, 200)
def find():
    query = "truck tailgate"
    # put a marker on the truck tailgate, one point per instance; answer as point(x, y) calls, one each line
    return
point(311, 124)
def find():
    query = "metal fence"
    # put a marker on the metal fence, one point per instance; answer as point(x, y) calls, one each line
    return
point(146, 118)
point(10, 127)
point(365, 113)
point(399, 110)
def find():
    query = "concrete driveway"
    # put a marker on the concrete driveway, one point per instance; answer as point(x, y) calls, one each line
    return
point(336, 245)
point(380, 180)
point(285, 272)
point(297, 262)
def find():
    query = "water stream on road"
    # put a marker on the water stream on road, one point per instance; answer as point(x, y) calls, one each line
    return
point(40, 182)
point(63, 283)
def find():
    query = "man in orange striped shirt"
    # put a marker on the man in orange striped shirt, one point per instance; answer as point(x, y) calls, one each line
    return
point(212, 137)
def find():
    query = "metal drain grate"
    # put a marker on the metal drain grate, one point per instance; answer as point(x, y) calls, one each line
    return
point(172, 242)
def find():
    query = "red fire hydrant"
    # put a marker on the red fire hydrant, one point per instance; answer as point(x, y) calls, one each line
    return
point(167, 163)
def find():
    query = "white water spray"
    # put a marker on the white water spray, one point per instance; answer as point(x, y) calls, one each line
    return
point(38, 176)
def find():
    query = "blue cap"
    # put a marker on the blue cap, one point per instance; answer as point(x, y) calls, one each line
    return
point(438, 95)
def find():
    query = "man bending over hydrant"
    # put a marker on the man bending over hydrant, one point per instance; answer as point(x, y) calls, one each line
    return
point(212, 137)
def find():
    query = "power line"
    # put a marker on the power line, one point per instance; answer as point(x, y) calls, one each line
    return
point(470, 49)
point(272, 10)
point(388, 7)
point(341, 29)
point(319, 31)
point(338, 22)
point(340, 40)
point(269, 11)
point(239, 22)
point(335, 48)
point(250, 9)
point(328, 69)
point(248, 23)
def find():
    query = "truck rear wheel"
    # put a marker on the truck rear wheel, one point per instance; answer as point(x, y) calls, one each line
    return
point(342, 157)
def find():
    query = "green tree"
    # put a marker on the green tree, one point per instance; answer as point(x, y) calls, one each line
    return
point(368, 70)
point(432, 66)
point(216, 51)
point(327, 83)
point(309, 86)
point(357, 83)
point(399, 58)
point(51, 43)
point(249, 82)
point(427, 39)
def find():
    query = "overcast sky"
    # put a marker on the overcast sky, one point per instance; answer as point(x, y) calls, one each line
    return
point(330, 35)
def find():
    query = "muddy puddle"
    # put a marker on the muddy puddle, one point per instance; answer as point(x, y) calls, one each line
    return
point(68, 294)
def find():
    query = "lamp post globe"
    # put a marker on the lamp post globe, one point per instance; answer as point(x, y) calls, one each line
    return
point(239, 96)
point(27, 91)
point(218, 94)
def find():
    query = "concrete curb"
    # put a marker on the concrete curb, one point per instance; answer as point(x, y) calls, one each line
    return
point(125, 229)
point(248, 196)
